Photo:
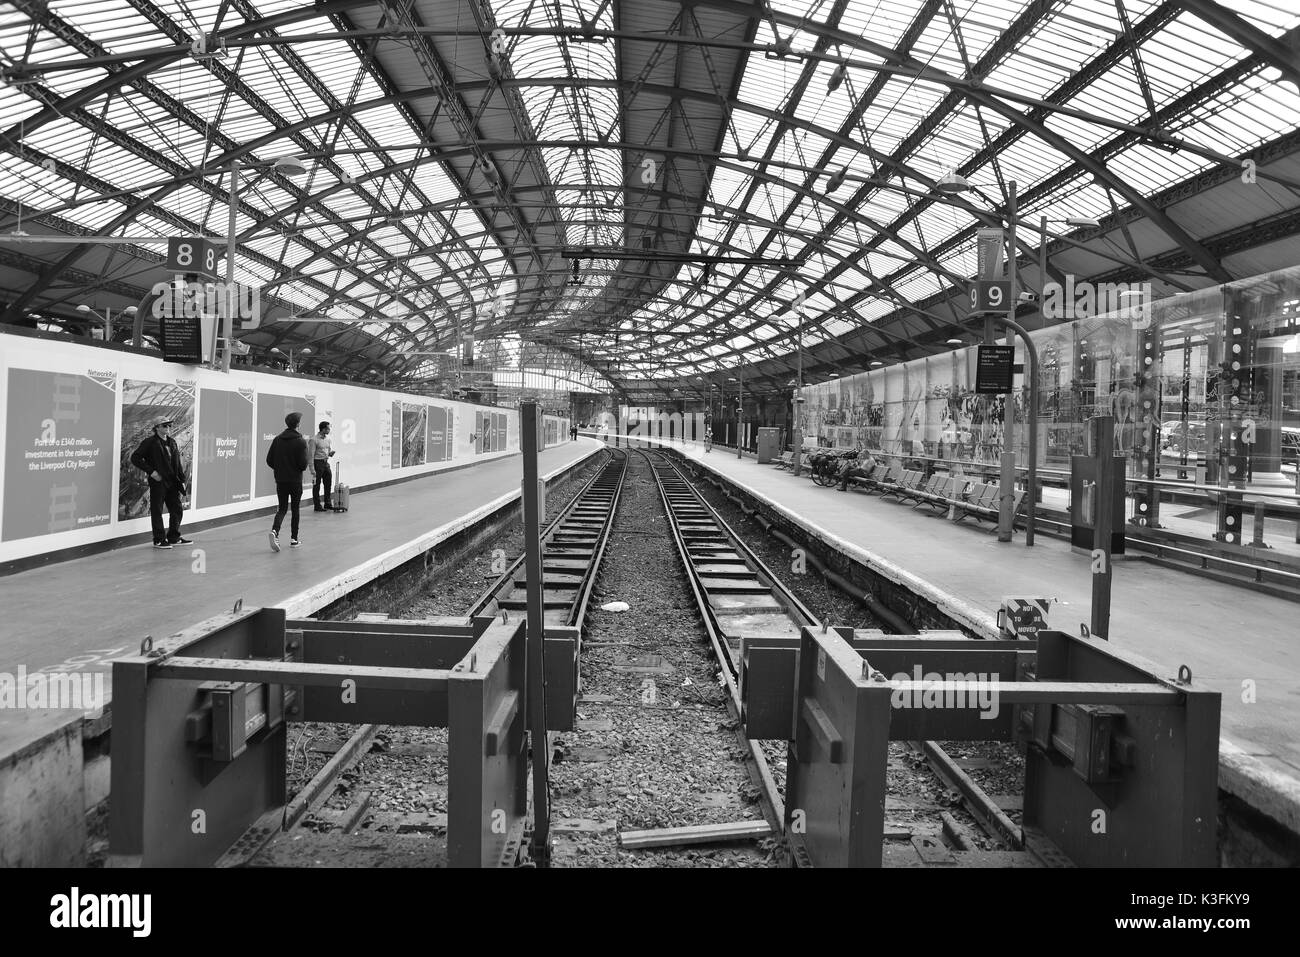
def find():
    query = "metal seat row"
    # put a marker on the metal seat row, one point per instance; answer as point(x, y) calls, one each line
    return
point(964, 496)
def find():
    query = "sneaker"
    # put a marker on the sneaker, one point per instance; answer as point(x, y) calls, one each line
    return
point(294, 543)
point(275, 541)
point(318, 509)
point(162, 544)
point(183, 541)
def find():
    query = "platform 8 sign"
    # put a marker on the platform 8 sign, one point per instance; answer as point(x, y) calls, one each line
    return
point(191, 255)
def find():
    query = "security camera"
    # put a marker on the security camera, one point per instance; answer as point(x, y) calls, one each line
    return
point(1029, 297)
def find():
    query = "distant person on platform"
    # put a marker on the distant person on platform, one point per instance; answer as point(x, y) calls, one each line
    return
point(288, 457)
point(860, 467)
point(160, 458)
point(573, 433)
point(321, 453)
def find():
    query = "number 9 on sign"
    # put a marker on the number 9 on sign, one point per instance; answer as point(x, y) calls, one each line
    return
point(990, 295)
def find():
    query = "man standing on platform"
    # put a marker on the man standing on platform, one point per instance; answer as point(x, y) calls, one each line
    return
point(160, 457)
point(321, 453)
point(288, 457)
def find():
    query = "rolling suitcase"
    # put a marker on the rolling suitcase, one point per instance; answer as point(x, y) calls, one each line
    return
point(342, 494)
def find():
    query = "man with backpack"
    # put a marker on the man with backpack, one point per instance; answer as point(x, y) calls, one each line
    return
point(288, 457)
point(160, 458)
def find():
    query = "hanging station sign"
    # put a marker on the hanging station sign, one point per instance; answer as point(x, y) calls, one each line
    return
point(994, 369)
point(189, 254)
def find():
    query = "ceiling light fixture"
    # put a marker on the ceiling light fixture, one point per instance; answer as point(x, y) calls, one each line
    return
point(837, 78)
point(951, 183)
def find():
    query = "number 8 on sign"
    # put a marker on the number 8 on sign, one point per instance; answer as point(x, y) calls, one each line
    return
point(192, 255)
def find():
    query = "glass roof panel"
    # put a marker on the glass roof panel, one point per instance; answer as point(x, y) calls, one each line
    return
point(370, 230)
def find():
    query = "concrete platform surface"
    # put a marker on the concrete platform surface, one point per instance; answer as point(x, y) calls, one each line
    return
point(78, 615)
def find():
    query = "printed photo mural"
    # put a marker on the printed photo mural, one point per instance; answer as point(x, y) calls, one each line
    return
point(1183, 381)
point(58, 452)
point(143, 404)
point(414, 425)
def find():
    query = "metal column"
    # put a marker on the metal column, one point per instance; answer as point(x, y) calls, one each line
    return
point(540, 848)
point(1103, 450)
point(226, 325)
point(1234, 396)
point(1007, 479)
point(1146, 498)
point(740, 410)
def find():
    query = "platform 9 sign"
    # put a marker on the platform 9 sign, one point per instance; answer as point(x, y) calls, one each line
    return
point(192, 255)
point(990, 295)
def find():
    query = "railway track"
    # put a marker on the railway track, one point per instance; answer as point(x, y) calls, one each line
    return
point(572, 547)
point(739, 596)
point(736, 593)
point(449, 691)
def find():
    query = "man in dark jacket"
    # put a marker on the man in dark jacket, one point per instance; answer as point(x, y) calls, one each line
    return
point(159, 457)
point(288, 457)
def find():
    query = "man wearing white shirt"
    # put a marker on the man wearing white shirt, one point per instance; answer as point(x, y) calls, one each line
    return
point(321, 453)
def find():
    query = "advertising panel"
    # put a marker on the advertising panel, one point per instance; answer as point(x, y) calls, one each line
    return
point(58, 452)
point(224, 457)
point(385, 435)
point(144, 403)
point(271, 410)
point(395, 439)
point(438, 448)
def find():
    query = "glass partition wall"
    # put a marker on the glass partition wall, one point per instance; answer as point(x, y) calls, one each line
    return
point(1203, 387)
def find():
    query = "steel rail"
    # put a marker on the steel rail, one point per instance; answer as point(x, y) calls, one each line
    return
point(596, 502)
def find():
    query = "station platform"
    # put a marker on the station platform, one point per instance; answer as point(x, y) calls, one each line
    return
point(1229, 637)
point(78, 615)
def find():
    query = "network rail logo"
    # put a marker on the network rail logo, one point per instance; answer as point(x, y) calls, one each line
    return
point(51, 690)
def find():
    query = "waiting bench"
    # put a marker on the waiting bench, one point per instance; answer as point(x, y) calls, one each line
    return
point(966, 497)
